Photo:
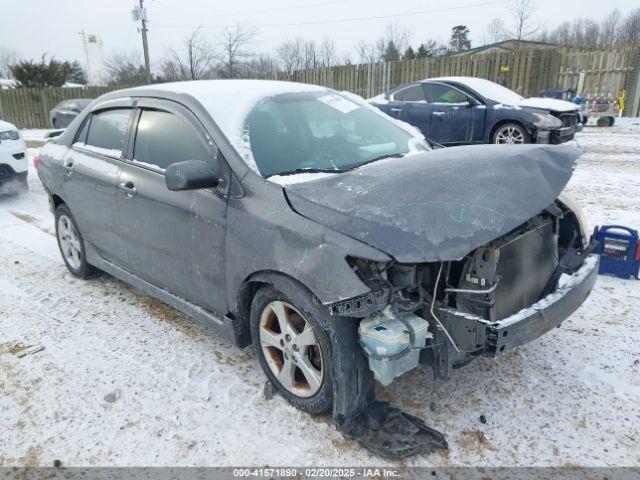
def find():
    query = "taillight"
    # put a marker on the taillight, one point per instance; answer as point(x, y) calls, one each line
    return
point(638, 252)
point(36, 160)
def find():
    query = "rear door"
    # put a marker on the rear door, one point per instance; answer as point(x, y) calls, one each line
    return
point(175, 240)
point(456, 117)
point(91, 168)
point(408, 104)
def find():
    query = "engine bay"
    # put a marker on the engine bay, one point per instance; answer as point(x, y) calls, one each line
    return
point(444, 314)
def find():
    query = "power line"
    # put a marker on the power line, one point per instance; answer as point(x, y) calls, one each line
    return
point(265, 10)
point(352, 19)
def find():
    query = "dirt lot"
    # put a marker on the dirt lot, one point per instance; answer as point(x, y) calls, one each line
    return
point(125, 380)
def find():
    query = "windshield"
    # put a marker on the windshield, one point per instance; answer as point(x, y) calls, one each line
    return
point(320, 132)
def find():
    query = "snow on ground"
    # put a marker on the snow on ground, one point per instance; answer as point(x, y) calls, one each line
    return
point(126, 380)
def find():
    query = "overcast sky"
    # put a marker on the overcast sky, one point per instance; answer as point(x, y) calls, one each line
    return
point(34, 27)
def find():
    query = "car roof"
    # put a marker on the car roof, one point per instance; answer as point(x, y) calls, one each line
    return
point(6, 126)
point(463, 80)
point(227, 98)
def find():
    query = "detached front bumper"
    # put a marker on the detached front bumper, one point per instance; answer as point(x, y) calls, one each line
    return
point(503, 336)
point(556, 135)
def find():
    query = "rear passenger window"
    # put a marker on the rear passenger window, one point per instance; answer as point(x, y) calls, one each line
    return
point(164, 138)
point(414, 93)
point(108, 129)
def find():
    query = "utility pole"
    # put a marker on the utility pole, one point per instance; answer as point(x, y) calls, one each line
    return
point(140, 14)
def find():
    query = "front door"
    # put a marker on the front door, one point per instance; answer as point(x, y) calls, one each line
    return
point(175, 240)
point(455, 117)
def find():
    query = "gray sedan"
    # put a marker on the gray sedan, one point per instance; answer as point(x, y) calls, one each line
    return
point(309, 223)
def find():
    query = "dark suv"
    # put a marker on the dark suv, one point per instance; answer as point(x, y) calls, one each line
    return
point(309, 223)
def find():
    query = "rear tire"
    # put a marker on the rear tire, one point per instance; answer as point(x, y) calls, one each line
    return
point(510, 133)
point(295, 353)
point(71, 244)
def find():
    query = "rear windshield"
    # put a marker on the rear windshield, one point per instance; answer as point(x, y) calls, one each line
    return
point(320, 131)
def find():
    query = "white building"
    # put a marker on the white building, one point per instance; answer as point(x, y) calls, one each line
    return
point(96, 68)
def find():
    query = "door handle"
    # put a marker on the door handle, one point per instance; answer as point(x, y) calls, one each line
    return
point(128, 189)
point(395, 109)
point(68, 165)
point(437, 113)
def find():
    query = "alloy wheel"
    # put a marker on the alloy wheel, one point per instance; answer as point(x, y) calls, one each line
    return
point(291, 349)
point(69, 242)
point(509, 135)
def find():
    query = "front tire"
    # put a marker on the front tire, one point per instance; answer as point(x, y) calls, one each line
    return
point(510, 133)
point(71, 244)
point(294, 351)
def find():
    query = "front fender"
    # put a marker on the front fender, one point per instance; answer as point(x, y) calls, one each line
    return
point(265, 235)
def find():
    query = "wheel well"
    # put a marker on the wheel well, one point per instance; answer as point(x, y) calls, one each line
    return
point(504, 122)
point(57, 201)
point(245, 295)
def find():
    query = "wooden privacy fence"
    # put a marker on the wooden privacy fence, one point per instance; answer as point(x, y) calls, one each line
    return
point(29, 107)
point(592, 72)
point(527, 72)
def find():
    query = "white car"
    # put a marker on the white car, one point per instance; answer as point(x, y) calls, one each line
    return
point(13, 159)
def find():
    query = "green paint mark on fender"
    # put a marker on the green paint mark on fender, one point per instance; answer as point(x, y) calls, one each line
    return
point(458, 219)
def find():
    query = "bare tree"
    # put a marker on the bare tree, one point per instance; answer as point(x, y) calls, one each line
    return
point(522, 13)
point(235, 42)
point(296, 54)
point(262, 66)
point(609, 28)
point(311, 54)
point(368, 53)
point(630, 32)
point(195, 61)
point(8, 58)
point(395, 40)
point(495, 32)
point(590, 33)
point(126, 68)
point(327, 52)
point(291, 54)
point(398, 35)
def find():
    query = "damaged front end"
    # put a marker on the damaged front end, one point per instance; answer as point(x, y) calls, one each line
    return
point(499, 296)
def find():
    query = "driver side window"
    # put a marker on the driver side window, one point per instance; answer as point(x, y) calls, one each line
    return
point(163, 138)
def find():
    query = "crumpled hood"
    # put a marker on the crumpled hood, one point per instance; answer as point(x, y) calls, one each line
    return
point(551, 104)
point(442, 204)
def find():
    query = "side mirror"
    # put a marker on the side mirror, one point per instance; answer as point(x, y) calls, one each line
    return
point(473, 102)
point(191, 175)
